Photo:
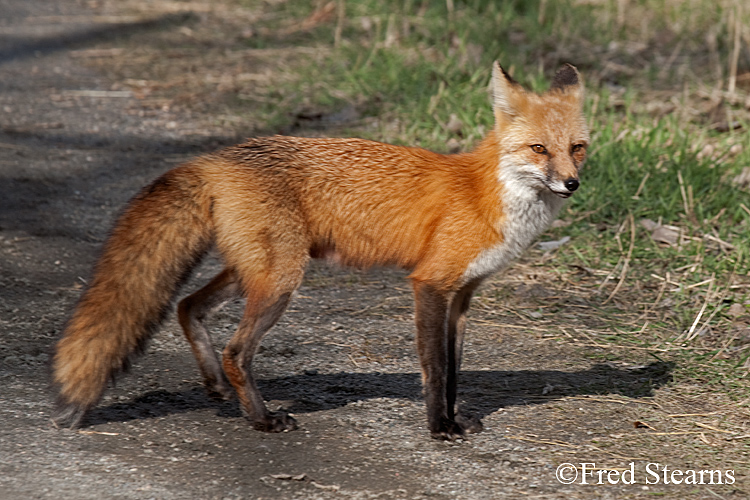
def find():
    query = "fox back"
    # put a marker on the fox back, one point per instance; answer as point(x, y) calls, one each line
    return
point(449, 219)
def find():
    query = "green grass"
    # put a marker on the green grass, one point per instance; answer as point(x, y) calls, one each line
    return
point(409, 66)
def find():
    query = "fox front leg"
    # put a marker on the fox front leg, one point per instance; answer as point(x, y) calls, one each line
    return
point(456, 329)
point(440, 318)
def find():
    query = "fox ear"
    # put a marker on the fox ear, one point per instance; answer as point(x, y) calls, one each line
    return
point(504, 94)
point(567, 79)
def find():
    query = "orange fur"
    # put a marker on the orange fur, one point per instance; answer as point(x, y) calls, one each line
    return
point(365, 202)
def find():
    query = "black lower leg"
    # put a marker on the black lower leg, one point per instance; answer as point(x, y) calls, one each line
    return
point(238, 360)
point(191, 312)
point(437, 360)
point(456, 331)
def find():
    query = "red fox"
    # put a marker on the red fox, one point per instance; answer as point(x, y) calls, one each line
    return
point(271, 204)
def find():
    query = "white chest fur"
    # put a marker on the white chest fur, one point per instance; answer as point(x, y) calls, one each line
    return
point(528, 211)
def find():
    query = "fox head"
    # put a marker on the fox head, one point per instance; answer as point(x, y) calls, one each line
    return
point(543, 138)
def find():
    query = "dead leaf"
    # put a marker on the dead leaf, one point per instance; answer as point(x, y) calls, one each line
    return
point(552, 245)
point(648, 224)
point(666, 234)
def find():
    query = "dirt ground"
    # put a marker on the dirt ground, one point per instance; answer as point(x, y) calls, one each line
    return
point(76, 144)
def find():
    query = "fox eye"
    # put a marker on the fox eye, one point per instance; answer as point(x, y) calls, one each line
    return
point(538, 148)
point(576, 148)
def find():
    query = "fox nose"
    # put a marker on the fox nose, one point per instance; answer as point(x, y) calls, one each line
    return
point(571, 184)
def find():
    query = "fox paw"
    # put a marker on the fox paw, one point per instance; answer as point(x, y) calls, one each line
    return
point(451, 430)
point(275, 422)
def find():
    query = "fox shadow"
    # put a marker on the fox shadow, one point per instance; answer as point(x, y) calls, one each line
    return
point(480, 392)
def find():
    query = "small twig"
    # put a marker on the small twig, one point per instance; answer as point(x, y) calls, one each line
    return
point(744, 436)
point(341, 16)
point(665, 282)
point(709, 427)
point(626, 264)
point(643, 328)
point(718, 216)
point(100, 433)
point(589, 337)
point(722, 244)
point(701, 283)
point(735, 50)
point(542, 441)
point(99, 93)
point(675, 433)
point(643, 184)
point(723, 295)
point(601, 400)
point(353, 361)
point(654, 349)
point(689, 335)
point(611, 274)
point(340, 345)
point(679, 415)
point(639, 424)
point(685, 205)
point(724, 347)
point(567, 334)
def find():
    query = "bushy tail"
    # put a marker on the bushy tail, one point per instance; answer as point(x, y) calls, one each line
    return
point(162, 235)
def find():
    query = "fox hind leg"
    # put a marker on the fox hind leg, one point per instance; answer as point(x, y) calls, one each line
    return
point(238, 360)
point(191, 312)
point(268, 294)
